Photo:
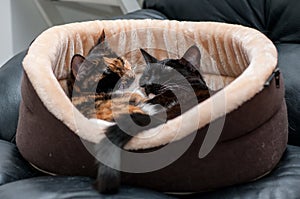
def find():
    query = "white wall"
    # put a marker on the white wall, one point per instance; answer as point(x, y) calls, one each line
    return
point(21, 21)
point(6, 48)
point(27, 23)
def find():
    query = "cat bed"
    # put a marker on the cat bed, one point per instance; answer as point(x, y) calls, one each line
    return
point(237, 135)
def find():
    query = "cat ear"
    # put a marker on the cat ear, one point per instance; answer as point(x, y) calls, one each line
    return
point(148, 58)
point(76, 62)
point(102, 37)
point(193, 56)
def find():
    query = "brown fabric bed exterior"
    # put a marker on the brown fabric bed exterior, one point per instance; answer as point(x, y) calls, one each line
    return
point(240, 160)
point(249, 146)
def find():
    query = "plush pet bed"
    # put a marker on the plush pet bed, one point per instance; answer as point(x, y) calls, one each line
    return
point(250, 117)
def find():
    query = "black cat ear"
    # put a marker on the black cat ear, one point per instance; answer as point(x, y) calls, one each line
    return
point(148, 58)
point(76, 62)
point(102, 37)
point(193, 56)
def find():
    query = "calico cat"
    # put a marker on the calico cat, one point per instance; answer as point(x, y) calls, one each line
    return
point(97, 78)
point(97, 81)
point(169, 80)
point(86, 73)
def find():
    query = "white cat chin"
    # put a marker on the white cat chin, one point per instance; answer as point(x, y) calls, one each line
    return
point(151, 95)
point(102, 122)
point(151, 109)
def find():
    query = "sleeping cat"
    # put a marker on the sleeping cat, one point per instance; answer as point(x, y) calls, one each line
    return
point(97, 81)
point(169, 80)
point(175, 82)
point(86, 73)
point(97, 78)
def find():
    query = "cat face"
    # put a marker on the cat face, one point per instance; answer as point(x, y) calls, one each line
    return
point(101, 71)
point(118, 65)
point(172, 74)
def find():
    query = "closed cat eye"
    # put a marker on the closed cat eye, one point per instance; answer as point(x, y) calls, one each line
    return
point(121, 59)
point(95, 62)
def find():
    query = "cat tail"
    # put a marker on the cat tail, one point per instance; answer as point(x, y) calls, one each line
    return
point(109, 149)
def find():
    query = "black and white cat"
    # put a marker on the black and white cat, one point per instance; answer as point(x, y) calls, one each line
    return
point(174, 83)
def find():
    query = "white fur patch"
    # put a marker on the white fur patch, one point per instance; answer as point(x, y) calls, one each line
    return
point(152, 109)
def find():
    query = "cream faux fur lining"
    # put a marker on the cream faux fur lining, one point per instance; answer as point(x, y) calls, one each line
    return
point(237, 57)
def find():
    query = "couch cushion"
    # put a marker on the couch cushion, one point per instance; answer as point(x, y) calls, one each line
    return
point(230, 11)
point(10, 86)
point(67, 188)
point(289, 64)
point(142, 14)
point(282, 20)
point(12, 166)
point(278, 19)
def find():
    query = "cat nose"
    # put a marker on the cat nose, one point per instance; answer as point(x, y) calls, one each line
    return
point(142, 84)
